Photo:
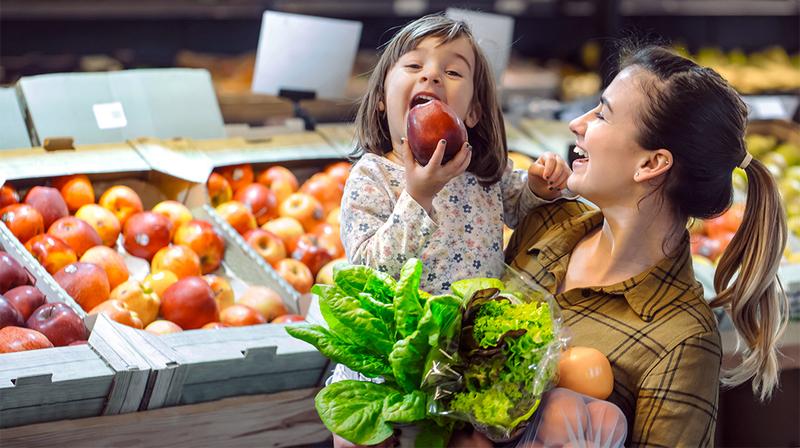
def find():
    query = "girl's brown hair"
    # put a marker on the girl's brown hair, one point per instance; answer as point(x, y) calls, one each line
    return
point(489, 154)
point(695, 114)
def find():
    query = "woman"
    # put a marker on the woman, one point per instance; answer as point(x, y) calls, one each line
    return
point(658, 150)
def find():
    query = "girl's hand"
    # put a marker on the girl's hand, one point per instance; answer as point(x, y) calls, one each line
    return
point(424, 182)
point(548, 176)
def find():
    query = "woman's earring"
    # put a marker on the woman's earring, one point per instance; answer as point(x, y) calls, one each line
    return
point(636, 175)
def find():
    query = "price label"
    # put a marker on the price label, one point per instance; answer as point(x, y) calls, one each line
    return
point(109, 115)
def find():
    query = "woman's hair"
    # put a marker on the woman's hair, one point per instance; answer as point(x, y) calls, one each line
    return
point(696, 115)
point(488, 138)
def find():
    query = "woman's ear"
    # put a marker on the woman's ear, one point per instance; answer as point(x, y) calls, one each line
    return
point(381, 106)
point(653, 164)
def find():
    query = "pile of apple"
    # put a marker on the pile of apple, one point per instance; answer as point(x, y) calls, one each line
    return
point(27, 321)
point(294, 228)
point(709, 238)
point(81, 253)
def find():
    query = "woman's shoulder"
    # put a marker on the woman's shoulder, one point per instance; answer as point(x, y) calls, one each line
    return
point(542, 219)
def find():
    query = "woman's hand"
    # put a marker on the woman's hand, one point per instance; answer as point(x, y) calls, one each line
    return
point(548, 176)
point(424, 182)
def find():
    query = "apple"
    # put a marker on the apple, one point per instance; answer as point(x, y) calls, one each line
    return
point(119, 312)
point(240, 315)
point(328, 238)
point(238, 216)
point(305, 208)
point(12, 274)
point(201, 237)
point(48, 202)
point(311, 254)
point(111, 261)
point(214, 326)
point(159, 281)
point(430, 122)
point(288, 318)
point(334, 217)
point(23, 221)
point(78, 234)
point(296, 274)
point(9, 314)
point(79, 342)
point(260, 200)
point(265, 300)
point(138, 298)
point(8, 195)
point(77, 191)
point(190, 303)
point(219, 189)
point(177, 213)
point(122, 201)
point(25, 299)
point(176, 258)
point(103, 221)
point(266, 244)
point(51, 252)
point(325, 275)
point(289, 230)
point(280, 180)
point(223, 292)
point(17, 339)
point(58, 322)
point(84, 282)
point(340, 171)
point(145, 233)
point(238, 176)
point(727, 222)
point(160, 327)
point(326, 189)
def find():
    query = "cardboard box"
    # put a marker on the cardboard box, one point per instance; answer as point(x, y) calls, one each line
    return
point(13, 132)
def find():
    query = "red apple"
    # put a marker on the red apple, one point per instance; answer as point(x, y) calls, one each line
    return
point(223, 292)
point(214, 326)
point(309, 252)
point(60, 323)
point(296, 274)
point(23, 221)
point(25, 299)
point(111, 261)
point(240, 315)
point(238, 216)
point(51, 252)
point(77, 191)
point(219, 189)
point(278, 175)
point(339, 171)
point(201, 237)
point(12, 274)
point(260, 200)
point(79, 342)
point(48, 202)
point(266, 244)
point(163, 327)
point(145, 233)
point(288, 318)
point(429, 122)
point(120, 312)
point(177, 213)
point(9, 314)
point(266, 301)
point(238, 176)
point(17, 339)
point(78, 234)
point(8, 195)
point(178, 259)
point(305, 208)
point(326, 189)
point(190, 303)
point(84, 282)
point(122, 201)
point(289, 230)
point(328, 238)
point(103, 221)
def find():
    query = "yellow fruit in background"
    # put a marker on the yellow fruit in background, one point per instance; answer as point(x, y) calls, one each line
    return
point(520, 161)
point(139, 299)
point(325, 274)
point(159, 281)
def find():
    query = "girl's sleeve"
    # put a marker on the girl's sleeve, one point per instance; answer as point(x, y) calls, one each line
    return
point(518, 199)
point(378, 230)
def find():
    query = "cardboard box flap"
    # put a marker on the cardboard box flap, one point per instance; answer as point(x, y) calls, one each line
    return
point(13, 131)
point(275, 149)
point(182, 162)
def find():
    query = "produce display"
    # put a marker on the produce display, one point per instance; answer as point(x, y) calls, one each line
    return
point(767, 71)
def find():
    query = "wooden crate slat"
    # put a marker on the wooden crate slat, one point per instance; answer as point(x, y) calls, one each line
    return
point(43, 413)
point(47, 393)
point(248, 385)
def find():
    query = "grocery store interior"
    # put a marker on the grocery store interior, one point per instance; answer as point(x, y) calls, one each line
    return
point(172, 177)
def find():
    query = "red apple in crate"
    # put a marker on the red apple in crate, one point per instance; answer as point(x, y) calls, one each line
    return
point(261, 201)
point(289, 230)
point(190, 303)
point(328, 238)
point(288, 318)
point(12, 274)
point(25, 299)
point(238, 315)
point(266, 244)
point(296, 274)
point(137, 298)
point(305, 208)
point(223, 292)
point(178, 259)
point(238, 176)
point(8, 195)
point(18, 339)
point(339, 171)
point(429, 121)
point(119, 312)
point(334, 217)
point(219, 189)
point(309, 252)
point(177, 213)
point(238, 216)
point(81, 342)
point(325, 275)
point(78, 234)
point(60, 323)
point(122, 201)
point(159, 281)
point(51, 252)
point(280, 180)
point(84, 282)
point(77, 191)
point(145, 233)
point(214, 326)
point(201, 237)
point(327, 190)
point(48, 202)
point(163, 327)
point(23, 221)
point(265, 300)
point(9, 314)
point(111, 261)
point(103, 221)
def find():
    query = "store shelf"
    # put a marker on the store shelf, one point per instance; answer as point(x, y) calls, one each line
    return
point(709, 8)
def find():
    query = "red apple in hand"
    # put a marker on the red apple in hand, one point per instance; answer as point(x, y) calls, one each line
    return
point(23, 221)
point(51, 252)
point(266, 244)
point(189, 303)
point(17, 339)
point(261, 201)
point(145, 233)
point(48, 202)
point(25, 299)
point(12, 274)
point(430, 121)
point(9, 314)
point(78, 234)
point(60, 323)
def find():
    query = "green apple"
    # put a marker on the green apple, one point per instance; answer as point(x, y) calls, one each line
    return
point(790, 153)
